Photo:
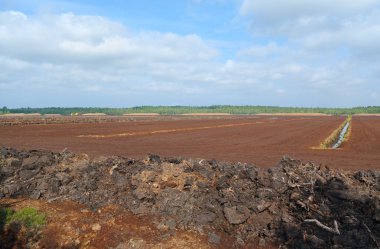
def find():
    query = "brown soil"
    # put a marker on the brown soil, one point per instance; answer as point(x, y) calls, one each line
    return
point(294, 114)
point(72, 225)
point(23, 119)
point(122, 209)
point(364, 142)
point(261, 140)
point(206, 114)
point(185, 203)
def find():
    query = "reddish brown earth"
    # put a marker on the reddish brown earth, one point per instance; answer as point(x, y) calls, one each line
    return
point(72, 225)
point(258, 139)
point(262, 140)
point(364, 142)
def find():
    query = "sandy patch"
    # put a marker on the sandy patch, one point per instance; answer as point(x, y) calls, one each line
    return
point(141, 114)
point(94, 114)
point(205, 114)
point(20, 114)
point(293, 114)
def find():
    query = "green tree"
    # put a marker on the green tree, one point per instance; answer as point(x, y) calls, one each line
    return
point(4, 110)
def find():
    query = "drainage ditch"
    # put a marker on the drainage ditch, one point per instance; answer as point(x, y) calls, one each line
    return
point(338, 136)
point(342, 135)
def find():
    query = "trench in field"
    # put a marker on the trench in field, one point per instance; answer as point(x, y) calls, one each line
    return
point(342, 135)
point(337, 137)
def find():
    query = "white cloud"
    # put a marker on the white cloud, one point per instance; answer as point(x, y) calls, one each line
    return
point(336, 44)
point(53, 55)
point(72, 38)
point(74, 50)
point(274, 10)
point(318, 24)
point(267, 52)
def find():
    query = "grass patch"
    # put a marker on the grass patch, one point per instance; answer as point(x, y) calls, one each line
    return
point(334, 136)
point(3, 163)
point(21, 228)
point(28, 217)
point(5, 213)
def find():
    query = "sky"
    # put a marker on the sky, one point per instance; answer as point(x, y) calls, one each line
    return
point(126, 53)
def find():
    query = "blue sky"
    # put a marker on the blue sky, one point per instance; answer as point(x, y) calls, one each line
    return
point(190, 52)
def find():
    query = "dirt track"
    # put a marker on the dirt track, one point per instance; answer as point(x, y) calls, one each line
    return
point(261, 140)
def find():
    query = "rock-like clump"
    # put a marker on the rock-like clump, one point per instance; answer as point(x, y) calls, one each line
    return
point(294, 204)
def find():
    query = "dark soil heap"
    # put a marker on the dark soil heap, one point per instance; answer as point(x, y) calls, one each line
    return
point(293, 204)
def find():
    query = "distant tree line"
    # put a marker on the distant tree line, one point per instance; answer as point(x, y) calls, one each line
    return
point(4, 110)
point(171, 110)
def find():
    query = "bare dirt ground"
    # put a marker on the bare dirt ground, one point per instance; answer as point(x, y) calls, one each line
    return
point(73, 225)
point(261, 140)
point(183, 202)
point(23, 119)
point(293, 114)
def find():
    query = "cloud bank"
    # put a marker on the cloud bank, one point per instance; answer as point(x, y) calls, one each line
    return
point(301, 54)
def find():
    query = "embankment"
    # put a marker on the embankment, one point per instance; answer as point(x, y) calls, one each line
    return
point(295, 204)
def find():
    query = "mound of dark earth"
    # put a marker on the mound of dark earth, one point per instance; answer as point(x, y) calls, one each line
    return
point(295, 204)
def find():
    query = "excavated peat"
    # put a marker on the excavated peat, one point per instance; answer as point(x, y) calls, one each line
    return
point(295, 204)
point(262, 143)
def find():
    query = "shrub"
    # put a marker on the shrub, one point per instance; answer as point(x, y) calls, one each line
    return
point(5, 214)
point(3, 163)
point(28, 217)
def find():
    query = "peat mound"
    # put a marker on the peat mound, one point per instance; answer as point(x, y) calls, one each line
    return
point(294, 204)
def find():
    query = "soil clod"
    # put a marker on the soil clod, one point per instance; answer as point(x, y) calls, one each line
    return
point(295, 204)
